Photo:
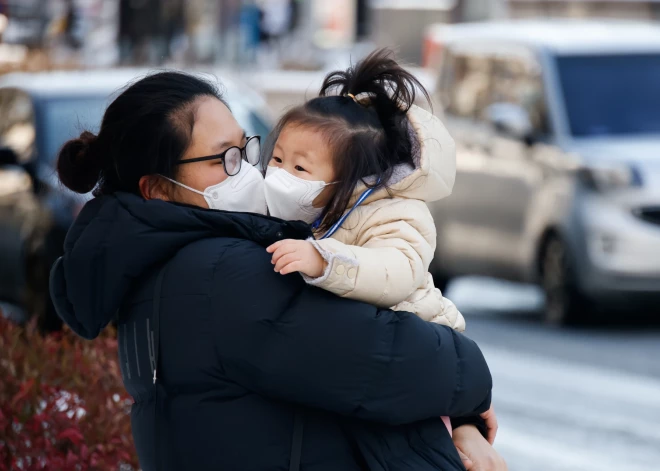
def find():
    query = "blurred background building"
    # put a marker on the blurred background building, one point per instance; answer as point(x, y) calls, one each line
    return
point(289, 33)
point(97, 33)
point(632, 9)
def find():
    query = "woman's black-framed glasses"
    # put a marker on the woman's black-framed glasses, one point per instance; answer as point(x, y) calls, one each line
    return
point(232, 157)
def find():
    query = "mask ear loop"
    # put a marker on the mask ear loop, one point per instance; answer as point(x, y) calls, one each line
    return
point(183, 186)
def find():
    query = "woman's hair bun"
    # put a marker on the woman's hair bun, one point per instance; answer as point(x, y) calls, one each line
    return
point(78, 165)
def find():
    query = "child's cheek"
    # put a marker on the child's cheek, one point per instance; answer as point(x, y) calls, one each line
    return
point(323, 199)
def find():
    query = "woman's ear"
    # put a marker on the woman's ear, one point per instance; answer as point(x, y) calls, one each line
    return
point(154, 187)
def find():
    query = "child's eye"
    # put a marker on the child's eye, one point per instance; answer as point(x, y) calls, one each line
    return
point(299, 168)
point(277, 159)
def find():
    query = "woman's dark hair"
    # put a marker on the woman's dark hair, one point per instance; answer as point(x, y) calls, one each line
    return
point(144, 131)
point(368, 135)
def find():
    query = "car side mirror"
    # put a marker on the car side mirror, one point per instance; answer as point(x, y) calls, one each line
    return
point(8, 156)
point(511, 120)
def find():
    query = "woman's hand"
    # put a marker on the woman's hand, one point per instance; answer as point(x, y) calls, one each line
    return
point(477, 454)
point(297, 255)
point(491, 424)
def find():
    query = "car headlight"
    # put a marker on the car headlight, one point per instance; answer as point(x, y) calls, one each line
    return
point(610, 177)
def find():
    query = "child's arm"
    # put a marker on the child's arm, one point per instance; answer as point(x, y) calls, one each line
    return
point(432, 306)
point(389, 265)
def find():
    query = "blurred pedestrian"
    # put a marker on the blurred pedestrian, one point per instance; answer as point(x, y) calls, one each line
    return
point(250, 19)
point(231, 365)
point(275, 25)
point(170, 28)
point(73, 33)
point(229, 30)
point(141, 40)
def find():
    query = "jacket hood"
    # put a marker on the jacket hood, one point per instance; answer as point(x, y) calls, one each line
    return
point(435, 163)
point(117, 240)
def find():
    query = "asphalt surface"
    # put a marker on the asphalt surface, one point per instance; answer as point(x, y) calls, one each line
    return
point(584, 399)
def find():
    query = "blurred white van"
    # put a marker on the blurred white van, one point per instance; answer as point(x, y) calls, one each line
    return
point(557, 125)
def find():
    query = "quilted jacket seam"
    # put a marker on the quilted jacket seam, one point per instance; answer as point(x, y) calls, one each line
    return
point(459, 360)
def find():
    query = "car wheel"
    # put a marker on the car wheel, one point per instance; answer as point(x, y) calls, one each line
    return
point(440, 279)
point(564, 303)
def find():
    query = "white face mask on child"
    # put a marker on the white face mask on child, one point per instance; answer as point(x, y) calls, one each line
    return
point(291, 198)
point(244, 192)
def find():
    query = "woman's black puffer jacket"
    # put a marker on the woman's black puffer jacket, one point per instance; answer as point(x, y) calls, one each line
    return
point(254, 370)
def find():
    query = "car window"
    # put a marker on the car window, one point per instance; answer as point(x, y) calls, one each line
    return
point(518, 80)
point(465, 84)
point(470, 82)
point(17, 123)
point(61, 119)
point(611, 94)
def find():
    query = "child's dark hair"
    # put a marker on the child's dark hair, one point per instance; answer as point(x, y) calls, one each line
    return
point(144, 131)
point(362, 115)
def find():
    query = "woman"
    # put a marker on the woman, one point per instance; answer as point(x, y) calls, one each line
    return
point(231, 365)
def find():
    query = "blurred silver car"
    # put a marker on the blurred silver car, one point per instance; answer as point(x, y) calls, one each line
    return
point(38, 114)
point(557, 125)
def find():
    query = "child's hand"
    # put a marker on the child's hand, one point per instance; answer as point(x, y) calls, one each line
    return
point(297, 255)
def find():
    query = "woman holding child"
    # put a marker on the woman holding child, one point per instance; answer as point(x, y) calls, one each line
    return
point(234, 365)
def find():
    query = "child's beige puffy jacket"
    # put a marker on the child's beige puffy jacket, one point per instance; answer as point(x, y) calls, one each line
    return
point(382, 252)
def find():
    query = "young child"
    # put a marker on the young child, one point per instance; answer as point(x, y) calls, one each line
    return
point(360, 165)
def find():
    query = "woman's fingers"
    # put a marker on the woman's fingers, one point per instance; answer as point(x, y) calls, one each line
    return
point(491, 424)
point(483, 456)
point(467, 462)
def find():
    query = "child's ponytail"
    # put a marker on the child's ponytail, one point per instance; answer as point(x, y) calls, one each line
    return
point(379, 82)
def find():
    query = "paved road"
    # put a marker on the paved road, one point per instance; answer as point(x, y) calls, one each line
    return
point(567, 399)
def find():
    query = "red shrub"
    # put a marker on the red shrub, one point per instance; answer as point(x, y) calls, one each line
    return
point(62, 403)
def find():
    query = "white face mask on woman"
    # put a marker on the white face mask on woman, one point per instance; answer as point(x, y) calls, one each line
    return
point(291, 198)
point(244, 192)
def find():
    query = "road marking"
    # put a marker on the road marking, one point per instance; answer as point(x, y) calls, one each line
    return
point(579, 379)
point(559, 416)
point(556, 455)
